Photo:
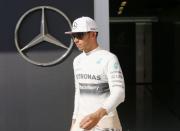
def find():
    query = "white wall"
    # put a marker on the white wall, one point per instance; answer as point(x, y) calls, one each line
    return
point(101, 16)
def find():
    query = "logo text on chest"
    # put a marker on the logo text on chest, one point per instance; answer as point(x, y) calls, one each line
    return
point(88, 76)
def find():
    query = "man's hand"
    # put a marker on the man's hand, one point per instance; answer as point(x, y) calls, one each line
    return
point(91, 120)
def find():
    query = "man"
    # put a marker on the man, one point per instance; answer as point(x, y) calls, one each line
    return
point(99, 82)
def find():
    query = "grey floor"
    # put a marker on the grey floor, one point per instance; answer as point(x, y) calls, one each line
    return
point(144, 112)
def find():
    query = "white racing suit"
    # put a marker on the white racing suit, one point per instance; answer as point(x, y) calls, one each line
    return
point(99, 83)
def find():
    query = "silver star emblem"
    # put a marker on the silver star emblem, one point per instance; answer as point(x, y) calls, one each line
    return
point(42, 36)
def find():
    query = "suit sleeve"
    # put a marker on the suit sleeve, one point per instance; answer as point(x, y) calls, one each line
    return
point(116, 85)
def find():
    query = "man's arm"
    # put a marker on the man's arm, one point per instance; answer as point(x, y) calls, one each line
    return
point(116, 85)
point(72, 124)
point(76, 98)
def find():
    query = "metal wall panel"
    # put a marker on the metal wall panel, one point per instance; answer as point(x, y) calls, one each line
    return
point(35, 98)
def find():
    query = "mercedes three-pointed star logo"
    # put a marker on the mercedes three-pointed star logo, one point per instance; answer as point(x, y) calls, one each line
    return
point(44, 35)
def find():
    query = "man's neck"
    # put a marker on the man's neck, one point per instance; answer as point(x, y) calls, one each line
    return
point(94, 46)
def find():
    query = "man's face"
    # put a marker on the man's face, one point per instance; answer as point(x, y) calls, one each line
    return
point(81, 39)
